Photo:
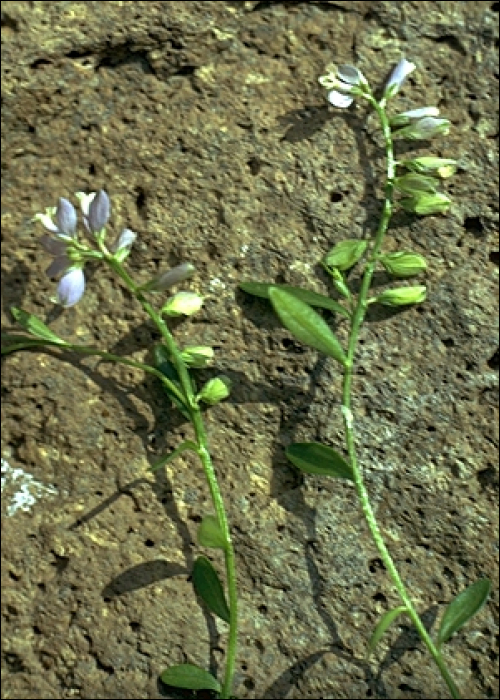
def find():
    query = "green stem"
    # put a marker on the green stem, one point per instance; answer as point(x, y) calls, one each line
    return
point(89, 351)
point(356, 322)
point(203, 452)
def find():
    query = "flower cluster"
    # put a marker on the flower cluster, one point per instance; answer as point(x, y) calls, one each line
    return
point(419, 185)
point(71, 253)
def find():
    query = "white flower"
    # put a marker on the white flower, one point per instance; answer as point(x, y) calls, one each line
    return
point(397, 77)
point(344, 84)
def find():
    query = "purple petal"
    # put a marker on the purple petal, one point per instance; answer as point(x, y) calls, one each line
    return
point(99, 211)
point(71, 287)
point(53, 246)
point(66, 217)
point(58, 265)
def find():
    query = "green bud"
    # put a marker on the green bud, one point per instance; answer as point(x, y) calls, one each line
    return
point(403, 264)
point(198, 356)
point(215, 390)
point(402, 296)
point(425, 128)
point(444, 167)
point(345, 254)
point(414, 183)
point(413, 115)
point(183, 304)
point(426, 203)
point(169, 278)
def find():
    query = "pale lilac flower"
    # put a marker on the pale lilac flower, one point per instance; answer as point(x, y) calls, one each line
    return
point(99, 211)
point(69, 254)
point(397, 77)
point(71, 287)
point(121, 247)
point(64, 226)
point(72, 283)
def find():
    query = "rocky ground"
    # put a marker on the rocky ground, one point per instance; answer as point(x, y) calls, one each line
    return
point(206, 124)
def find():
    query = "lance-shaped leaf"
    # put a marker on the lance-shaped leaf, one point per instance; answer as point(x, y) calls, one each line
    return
point(315, 458)
point(190, 677)
point(306, 324)
point(210, 533)
point(261, 289)
point(464, 606)
point(207, 585)
point(385, 622)
point(33, 325)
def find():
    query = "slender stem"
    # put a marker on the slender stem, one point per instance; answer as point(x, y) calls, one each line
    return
point(356, 322)
point(204, 454)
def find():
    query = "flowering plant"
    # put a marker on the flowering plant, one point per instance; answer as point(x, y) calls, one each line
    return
point(417, 181)
point(173, 364)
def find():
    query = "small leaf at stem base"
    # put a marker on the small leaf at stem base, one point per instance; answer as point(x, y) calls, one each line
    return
point(190, 677)
point(208, 586)
point(384, 623)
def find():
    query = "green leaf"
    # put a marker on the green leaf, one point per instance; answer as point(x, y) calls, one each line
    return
point(207, 585)
point(385, 622)
point(190, 677)
point(210, 533)
point(261, 289)
point(345, 254)
point(315, 458)
point(305, 324)
point(464, 606)
point(162, 363)
point(33, 325)
point(14, 342)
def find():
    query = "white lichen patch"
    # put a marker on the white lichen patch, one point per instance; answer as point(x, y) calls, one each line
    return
point(21, 489)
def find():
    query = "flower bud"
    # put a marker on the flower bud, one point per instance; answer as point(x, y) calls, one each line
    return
point(121, 247)
point(425, 204)
point(414, 183)
point(397, 77)
point(444, 167)
point(345, 254)
point(183, 304)
point(168, 279)
point(215, 390)
point(338, 282)
point(401, 296)
point(198, 356)
point(412, 115)
point(403, 264)
point(425, 128)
